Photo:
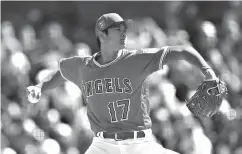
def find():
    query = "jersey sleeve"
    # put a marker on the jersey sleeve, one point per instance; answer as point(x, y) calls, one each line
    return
point(155, 57)
point(69, 68)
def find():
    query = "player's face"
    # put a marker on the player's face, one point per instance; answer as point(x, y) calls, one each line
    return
point(117, 34)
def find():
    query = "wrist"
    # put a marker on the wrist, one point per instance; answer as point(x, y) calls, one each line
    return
point(209, 74)
point(39, 85)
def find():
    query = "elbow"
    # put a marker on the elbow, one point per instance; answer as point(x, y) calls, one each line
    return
point(188, 48)
point(189, 53)
point(184, 52)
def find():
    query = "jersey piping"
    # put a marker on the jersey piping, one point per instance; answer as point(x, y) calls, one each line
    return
point(110, 63)
point(163, 56)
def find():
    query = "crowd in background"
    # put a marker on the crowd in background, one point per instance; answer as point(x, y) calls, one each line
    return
point(58, 123)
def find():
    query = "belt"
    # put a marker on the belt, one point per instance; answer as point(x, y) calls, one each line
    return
point(121, 135)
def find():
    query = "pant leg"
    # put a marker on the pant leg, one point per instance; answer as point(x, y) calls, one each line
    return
point(155, 148)
point(147, 147)
point(95, 150)
point(102, 146)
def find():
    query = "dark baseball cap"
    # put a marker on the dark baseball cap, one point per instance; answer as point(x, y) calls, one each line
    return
point(110, 19)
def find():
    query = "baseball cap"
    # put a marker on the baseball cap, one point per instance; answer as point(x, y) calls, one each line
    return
point(108, 20)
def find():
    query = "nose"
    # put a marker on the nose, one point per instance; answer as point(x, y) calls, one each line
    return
point(123, 34)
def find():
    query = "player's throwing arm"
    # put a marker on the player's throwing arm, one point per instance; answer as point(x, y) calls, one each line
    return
point(34, 92)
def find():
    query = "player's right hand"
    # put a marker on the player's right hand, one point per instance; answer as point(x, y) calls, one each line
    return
point(33, 94)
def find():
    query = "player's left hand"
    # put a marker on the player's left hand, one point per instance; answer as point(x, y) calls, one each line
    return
point(208, 98)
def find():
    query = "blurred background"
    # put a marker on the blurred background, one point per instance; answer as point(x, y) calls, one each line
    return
point(36, 35)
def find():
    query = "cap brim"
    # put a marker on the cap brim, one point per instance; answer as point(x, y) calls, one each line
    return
point(129, 23)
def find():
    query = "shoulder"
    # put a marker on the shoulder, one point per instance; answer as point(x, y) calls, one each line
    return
point(75, 60)
point(146, 51)
point(154, 50)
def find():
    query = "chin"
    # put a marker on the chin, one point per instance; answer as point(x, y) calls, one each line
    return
point(123, 43)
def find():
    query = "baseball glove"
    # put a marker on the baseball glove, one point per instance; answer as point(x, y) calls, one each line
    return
point(208, 98)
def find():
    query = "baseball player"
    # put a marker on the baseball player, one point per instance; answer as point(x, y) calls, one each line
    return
point(112, 82)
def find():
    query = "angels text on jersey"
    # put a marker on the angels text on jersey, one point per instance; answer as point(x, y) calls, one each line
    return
point(106, 85)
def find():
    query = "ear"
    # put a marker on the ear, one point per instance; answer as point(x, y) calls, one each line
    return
point(102, 35)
